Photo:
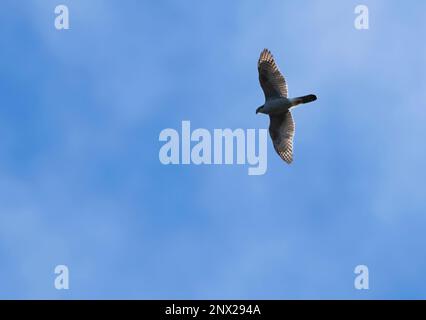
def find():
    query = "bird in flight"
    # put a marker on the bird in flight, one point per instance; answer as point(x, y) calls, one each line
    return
point(277, 105)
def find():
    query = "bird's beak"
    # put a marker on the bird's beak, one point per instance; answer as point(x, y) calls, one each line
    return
point(258, 110)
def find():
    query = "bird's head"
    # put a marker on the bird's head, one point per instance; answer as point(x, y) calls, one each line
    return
point(259, 110)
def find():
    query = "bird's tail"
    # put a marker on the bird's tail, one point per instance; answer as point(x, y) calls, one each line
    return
point(304, 99)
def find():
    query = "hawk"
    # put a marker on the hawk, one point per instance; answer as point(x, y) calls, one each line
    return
point(277, 105)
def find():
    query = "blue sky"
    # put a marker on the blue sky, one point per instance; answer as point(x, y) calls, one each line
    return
point(81, 183)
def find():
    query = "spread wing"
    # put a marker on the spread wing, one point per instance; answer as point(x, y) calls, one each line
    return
point(270, 77)
point(281, 129)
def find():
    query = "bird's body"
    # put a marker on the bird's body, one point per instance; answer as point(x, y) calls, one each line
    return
point(277, 105)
